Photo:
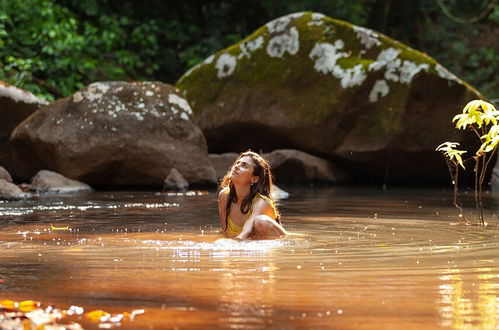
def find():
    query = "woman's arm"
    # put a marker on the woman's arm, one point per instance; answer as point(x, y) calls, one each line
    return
point(222, 204)
point(260, 207)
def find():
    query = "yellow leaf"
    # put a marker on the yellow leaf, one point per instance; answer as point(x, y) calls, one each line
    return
point(8, 304)
point(98, 315)
point(460, 160)
point(28, 305)
point(59, 228)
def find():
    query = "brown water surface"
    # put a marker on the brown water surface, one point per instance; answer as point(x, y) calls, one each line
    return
point(366, 259)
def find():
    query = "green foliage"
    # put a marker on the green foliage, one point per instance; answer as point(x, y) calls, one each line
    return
point(467, 49)
point(54, 47)
point(454, 155)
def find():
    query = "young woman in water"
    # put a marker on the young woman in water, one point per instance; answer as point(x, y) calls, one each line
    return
point(244, 204)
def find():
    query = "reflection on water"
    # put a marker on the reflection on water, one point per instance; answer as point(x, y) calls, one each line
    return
point(470, 298)
point(366, 259)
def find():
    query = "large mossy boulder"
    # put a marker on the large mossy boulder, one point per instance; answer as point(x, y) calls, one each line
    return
point(15, 106)
point(324, 86)
point(114, 134)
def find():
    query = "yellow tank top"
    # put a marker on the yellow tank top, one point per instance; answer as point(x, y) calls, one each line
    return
point(232, 228)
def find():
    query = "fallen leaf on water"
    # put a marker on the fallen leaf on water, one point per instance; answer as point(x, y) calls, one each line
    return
point(8, 304)
point(98, 315)
point(29, 314)
point(28, 305)
point(383, 246)
point(59, 228)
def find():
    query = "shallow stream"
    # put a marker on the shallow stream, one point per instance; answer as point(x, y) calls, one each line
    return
point(366, 258)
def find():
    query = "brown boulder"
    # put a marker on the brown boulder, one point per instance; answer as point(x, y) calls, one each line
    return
point(222, 162)
point(5, 175)
point(51, 182)
point(114, 133)
point(175, 181)
point(288, 166)
point(297, 166)
point(10, 191)
point(15, 106)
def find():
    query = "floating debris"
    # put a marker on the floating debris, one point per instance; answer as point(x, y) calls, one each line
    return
point(30, 314)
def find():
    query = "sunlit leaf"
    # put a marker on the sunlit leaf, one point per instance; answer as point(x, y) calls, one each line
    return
point(28, 305)
point(454, 155)
point(8, 304)
point(59, 228)
point(98, 315)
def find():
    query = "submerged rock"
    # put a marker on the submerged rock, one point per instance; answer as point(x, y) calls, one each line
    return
point(51, 182)
point(115, 133)
point(332, 89)
point(10, 191)
point(277, 193)
point(5, 175)
point(175, 181)
point(15, 106)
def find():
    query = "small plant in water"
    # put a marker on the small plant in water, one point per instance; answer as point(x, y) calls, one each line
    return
point(482, 118)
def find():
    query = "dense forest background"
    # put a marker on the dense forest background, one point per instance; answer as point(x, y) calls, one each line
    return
point(55, 47)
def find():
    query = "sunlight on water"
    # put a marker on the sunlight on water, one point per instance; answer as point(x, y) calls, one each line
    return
point(220, 244)
point(364, 259)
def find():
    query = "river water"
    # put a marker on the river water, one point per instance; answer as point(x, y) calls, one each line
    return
point(366, 258)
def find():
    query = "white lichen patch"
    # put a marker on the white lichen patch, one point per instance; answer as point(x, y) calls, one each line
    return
point(78, 97)
point(384, 57)
point(139, 107)
point(225, 65)
point(316, 19)
point(19, 95)
point(92, 93)
point(396, 70)
point(278, 25)
point(255, 44)
point(367, 37)
point(179, 105)
point(410, 69)
point(380, 89)
point(353, 77)
point(326, 56)
point(317, 16)
point(287, 42)
point(446, 74)
point(209, 59)
point(247, 48)
point(244, 52)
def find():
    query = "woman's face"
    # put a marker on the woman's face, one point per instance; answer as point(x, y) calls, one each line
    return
point(242, 171)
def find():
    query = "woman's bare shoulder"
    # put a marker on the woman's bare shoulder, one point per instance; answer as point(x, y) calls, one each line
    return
point(264, 204)
point(222, 195)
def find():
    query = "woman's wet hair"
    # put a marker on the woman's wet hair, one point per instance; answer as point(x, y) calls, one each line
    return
point(262, 186)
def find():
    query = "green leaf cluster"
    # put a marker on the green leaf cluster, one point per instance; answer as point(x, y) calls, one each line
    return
point(454, 155)
point(482, 118)
point(54, 47)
